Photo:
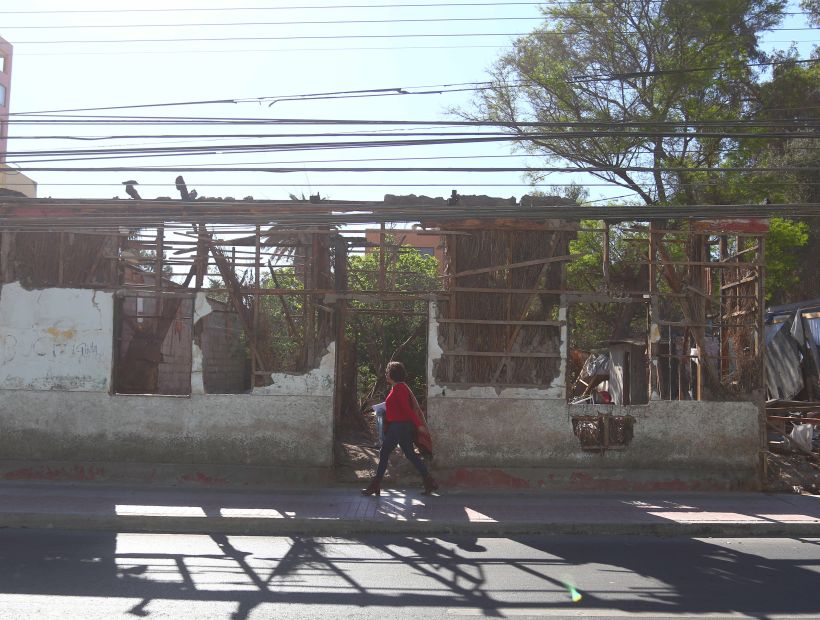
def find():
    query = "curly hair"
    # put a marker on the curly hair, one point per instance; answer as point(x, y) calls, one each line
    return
point(397, 372)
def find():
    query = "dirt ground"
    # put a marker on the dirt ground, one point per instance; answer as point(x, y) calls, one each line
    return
point(357, 455)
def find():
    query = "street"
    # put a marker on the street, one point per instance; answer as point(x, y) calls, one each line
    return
point(50, 574)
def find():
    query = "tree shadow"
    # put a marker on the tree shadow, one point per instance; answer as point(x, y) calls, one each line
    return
point(489, 576)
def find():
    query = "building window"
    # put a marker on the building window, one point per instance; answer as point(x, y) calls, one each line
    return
point(427, 251)
point(2, 64)
point(2, 96)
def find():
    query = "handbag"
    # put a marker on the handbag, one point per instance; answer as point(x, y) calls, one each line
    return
point(422, 437)
point(423, 441)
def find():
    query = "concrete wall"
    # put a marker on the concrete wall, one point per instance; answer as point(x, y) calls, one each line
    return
point(55, 403)
point(685, 445)
point(289, 431)
point(523, 438)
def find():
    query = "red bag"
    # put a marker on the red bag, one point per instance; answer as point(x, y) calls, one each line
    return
point(422, 438)
point(424, 442)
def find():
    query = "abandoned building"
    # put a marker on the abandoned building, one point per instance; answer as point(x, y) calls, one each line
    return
point(143, 338)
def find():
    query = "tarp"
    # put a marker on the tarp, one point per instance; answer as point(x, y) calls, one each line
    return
point(784, 376)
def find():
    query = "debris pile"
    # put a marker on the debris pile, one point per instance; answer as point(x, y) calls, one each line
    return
point(793, 462)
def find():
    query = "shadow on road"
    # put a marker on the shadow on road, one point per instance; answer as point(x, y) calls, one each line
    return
point(492, 576)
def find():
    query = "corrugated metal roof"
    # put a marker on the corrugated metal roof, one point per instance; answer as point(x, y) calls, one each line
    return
point(814, 326)
point(784, 377)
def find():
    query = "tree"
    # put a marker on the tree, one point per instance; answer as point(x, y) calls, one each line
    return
point(792, 94)
point(638, 93)
point(391, 332)
point(635, 74)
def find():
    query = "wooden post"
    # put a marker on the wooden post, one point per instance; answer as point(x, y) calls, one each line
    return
point(654, 317)
point(606, 259)
point(201, 257)
point(724, 331)
point(160, 242)
point(257, 283)
point(7, 240)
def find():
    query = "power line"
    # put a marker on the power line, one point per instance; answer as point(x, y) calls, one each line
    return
point(326, 37)
point(650, 125)
point(279, 38)
point(282, 7)
point(476, 138)
point(404, 133)
point(288, 50)
point(437, 88)
point(312, 7)
point(302, 169)
point(316, 22)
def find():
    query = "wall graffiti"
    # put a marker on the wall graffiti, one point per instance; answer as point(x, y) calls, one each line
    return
point(47, 346)
point(55, 339)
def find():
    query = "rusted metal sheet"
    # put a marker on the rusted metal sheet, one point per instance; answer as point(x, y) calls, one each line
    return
point(734, 225)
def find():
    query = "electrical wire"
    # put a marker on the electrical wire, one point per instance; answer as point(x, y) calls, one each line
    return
point(287, 50)
point(282, 7)
point(317, 7)
point(317, 22)
point(321, 37)
point(302, 169)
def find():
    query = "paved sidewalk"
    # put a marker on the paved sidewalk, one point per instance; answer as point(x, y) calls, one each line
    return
point(344, 512)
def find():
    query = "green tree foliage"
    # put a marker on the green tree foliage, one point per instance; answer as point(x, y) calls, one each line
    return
point(783, 258)
point(792, 247)
point(647, 68)
point(391, 332)
point(640, 64)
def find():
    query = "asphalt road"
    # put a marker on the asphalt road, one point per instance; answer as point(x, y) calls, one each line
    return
point(51, 574)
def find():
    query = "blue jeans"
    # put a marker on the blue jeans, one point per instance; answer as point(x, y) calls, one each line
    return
point(400, 434)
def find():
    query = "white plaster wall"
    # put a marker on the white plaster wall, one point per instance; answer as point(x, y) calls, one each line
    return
point(55, 339)
point(202, 308)
point(316, 382)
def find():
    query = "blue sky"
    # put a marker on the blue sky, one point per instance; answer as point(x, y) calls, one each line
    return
point(82, 59)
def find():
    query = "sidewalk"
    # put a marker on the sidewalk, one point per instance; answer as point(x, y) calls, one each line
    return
point(342, 511)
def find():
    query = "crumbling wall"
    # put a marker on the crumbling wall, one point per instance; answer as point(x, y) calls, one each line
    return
point(225, 364)
point(55, 405)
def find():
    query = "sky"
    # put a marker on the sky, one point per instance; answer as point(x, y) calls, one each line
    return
point(97, 54)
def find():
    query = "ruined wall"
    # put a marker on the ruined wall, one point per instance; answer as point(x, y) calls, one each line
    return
point(524, 438)
point(225, 365)
point(55, 403)
point(55, 339)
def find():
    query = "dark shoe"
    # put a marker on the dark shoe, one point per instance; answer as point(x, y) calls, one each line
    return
point(430, 485)
point(374, 488)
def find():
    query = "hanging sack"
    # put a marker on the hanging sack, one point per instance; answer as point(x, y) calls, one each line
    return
point(422, 437)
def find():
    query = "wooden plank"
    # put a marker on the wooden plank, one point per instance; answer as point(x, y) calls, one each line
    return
point(531, 386)
point(500, 354)
point(526, 263)
point(502, 322)
point(729, 257)
point(551, 247)
point(158, 257)
point(795, 419)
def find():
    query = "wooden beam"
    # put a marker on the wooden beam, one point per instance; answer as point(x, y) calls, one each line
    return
point(501, 354)
point(526, 263)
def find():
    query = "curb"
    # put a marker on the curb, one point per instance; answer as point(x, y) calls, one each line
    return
point(256, 526)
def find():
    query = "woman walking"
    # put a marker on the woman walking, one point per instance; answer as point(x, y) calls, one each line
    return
point(401, 420)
